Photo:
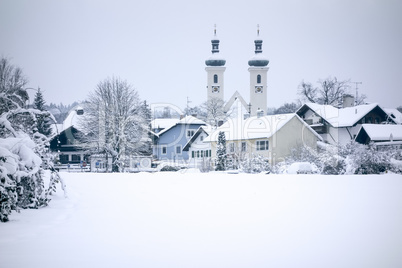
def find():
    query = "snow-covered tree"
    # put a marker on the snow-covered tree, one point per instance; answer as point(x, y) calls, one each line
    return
point(221, 155)
point(214, 109)
point(114, 122)
point(22, 147)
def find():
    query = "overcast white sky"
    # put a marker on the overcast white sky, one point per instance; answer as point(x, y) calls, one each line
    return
point(160, 47)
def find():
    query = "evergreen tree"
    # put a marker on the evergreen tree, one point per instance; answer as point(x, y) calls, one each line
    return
point(221, 152)
point(22, 147)
point(43, 121)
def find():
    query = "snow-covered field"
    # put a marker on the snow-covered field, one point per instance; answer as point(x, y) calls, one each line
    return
point(211, 220)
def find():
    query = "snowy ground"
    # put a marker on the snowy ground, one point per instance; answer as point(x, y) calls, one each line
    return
point(211, 220)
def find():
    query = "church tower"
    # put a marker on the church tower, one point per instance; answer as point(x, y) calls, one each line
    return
point(215, 70)
point(258, 79)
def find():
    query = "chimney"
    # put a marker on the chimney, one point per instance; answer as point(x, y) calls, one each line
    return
point(348, 101)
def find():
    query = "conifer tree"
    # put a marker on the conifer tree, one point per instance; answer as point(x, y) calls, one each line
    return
point(43, 121)
point(221, 152)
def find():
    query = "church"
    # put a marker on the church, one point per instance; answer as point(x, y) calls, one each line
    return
point(258, 69)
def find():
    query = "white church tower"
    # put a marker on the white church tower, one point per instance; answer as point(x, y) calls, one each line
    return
point(258, 79)
point(215, 70)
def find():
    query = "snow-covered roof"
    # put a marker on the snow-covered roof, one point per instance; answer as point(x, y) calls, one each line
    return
point(394, 114)
point(162, 123)
point(206, 129)
point(343, 117)
point(56, 128)
point(187, 120)
point(254, 127)
point(72, 118)
point(383, 132)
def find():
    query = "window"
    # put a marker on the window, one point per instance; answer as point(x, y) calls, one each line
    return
point(206, 153)
point(192, 154)
point(262, 145)
point(190, 133)
point(243, 146)
point(215, 78)
point(64, 158)
point(258, 79)
point(164, 149)
point(231, 147)
point(178, 149)
point(202, 153)
point(75, 158)
point(198, 154)
point(201, 138)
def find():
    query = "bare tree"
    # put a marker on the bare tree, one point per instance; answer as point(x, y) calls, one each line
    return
point(287, 108)
point(12, 83)
point(329, 91)
point(114, 122)
point(214, 108)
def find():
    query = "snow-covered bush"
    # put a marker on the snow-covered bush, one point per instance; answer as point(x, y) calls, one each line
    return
point(325, 158)
point(170, 168)
point(255, 164)
point(365, 159)
point(302, 168)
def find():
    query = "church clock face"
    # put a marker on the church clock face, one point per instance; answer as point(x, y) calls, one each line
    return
point(215, 89)
point(258, 89)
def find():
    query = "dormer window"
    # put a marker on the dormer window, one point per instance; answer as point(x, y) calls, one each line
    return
point(215, 78)
point(80, 111)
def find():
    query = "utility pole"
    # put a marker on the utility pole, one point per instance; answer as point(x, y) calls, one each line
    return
point(188, 107)
point(357, 93)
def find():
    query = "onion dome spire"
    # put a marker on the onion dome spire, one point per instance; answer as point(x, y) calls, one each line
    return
point(216, 59)
point(258, 60)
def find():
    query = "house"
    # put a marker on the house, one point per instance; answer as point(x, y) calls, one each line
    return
point(272, 136)
point(198, 150)
point(380, 135)
point(169, 143)
point(394, 114)
point(340, 125)
point(66, 142)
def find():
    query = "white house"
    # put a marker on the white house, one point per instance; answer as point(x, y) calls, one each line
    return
point(380, 135)
point(199, 151)
point(272, 136)
point(340, 125)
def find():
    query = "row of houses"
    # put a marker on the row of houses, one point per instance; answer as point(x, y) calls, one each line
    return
point(191, 141)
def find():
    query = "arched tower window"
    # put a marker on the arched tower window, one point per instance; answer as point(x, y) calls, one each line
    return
point(258, 79)
point(215, 78)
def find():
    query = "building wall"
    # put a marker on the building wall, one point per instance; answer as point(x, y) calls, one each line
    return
point(258, 100)
point(176, 136)
point(211, 71)
point(292, 135)
point(200, 152)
